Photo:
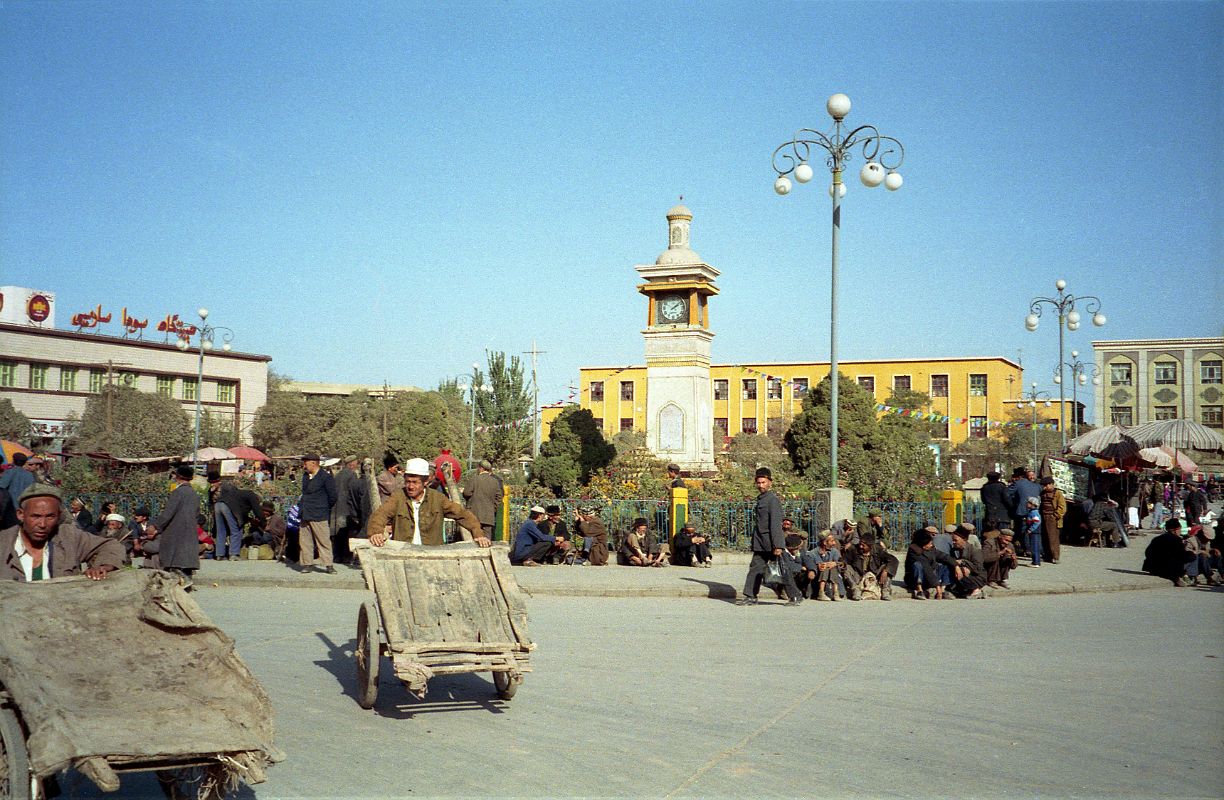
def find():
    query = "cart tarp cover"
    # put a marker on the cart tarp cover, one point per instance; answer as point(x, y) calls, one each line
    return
point(128, 669)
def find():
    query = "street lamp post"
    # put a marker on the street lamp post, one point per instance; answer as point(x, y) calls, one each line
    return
point(883, 155)
point(1069, 319)
point(1079, 377)
point(207, 334)
point(1031, 399)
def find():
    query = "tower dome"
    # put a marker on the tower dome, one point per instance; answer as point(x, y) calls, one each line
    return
point(678, 252)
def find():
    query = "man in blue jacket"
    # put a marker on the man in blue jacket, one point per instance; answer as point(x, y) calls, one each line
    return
point(318, 497)
point(532, 545)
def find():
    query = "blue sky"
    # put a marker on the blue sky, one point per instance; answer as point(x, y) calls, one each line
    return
point(373, 191)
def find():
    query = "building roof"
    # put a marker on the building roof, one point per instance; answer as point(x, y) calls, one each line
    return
point(1200, 341)
point(840, 362)
point(100, 338)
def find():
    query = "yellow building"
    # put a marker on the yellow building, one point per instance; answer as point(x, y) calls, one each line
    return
point(763, 397)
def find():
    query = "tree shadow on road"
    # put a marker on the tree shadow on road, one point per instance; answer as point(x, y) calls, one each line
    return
point(716, 589)
point(462, 692)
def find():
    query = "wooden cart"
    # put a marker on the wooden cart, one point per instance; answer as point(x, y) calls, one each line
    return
point(439, 611)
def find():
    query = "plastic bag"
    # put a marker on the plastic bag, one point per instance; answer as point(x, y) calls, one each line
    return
point(773, 573)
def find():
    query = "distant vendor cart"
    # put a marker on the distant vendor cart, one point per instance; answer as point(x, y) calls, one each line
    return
point(439, 611)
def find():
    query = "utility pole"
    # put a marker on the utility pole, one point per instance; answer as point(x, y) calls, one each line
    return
point(386, 395)
point(110, 398)
point(535, 404)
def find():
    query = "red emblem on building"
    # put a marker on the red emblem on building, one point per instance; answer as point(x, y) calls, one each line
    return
point(38, 308)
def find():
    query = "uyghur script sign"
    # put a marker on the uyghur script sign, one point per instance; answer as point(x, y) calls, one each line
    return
point(171, 325)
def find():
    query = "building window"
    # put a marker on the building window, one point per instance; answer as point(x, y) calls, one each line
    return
point(127, 379)
point(599, 423)
point(1165, 412)
point(977, 427)
point(165, 387)
point(868, 383)
point(1213, 416)
point(1121, 415)
point(977, 385)
point(67, 379)
point(190, 388)
point(749, 392)
point(1166, 372)
point(1119, 374)
point(901, 383)
point(799, 387)
point(225, 391)
point(773, 389)
point(38, 376)
point(748, 425)
point(939, 430)
point(939, 386)
point(596, 391)
point(721, 390)
point(774, 426)
point(626, 390)
point(720, 427)
point(97, 379)
point(1211, 371)
point(626, 423)
point(8, 373)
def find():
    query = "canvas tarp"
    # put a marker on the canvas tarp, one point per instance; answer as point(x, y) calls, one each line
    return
point(129, 669)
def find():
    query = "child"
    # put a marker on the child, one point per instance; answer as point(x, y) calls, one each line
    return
point(1032, 529)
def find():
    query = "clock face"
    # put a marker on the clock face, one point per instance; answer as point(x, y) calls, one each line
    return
point(673, 308)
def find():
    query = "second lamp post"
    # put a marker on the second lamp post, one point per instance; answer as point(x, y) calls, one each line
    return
point(207, 335)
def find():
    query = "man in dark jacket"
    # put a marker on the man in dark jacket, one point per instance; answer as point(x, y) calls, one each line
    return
point(995, 497)
point(351, 510)
point(767, 540)
point(1196, 504)
point(1167, 555)
point(174, 529)
point(483, 495)
point(920, 561)
point(318, 498)
point(234, 509)
point(970, 571)
point(870, 555)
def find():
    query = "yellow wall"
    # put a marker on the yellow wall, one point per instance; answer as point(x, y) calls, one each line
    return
point(735, 408)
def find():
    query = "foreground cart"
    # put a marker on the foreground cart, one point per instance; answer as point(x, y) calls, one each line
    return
point(439, 611)
point(122, 675)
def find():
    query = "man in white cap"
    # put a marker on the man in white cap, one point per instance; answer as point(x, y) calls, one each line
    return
point(416, 514)
point(116, 528)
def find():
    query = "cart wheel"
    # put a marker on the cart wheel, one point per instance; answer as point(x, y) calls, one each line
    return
point(367, 655)
point(15, 778)
point(506, 686)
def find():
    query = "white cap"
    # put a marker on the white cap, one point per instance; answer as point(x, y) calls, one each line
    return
point(115, 518)
point(537, 510)
point(417, 466)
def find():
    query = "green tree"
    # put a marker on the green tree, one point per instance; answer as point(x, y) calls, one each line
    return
point(127, 423)
point(217, 430)
point(575, 449)
point(14, 425)
point(506, 410)
point(880, 459)
point(425, 423)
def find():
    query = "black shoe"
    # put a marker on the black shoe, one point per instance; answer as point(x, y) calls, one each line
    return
point(330, 570)
point(746, 601)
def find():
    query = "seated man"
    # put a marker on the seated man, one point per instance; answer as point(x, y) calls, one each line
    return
point(795, 550)
point(823, 564)
point(943, 544)
point(692, 549)
point(920, 560)
point(532, 546)
point(274, 530)
point(970, 573)
point(639, 549)
point(1101, 518)
point(869, 557)
point(554, 525)
point(1166, 556)
point(115, 527)
point(594, 537)
point(40, 546)
point(999, 557)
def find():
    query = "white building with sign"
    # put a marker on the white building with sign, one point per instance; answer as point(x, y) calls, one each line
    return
point(50, 373)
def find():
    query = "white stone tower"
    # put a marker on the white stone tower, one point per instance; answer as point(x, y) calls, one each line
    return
point(679, 418)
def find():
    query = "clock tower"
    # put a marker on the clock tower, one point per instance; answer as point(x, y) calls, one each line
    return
point(679, 418)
